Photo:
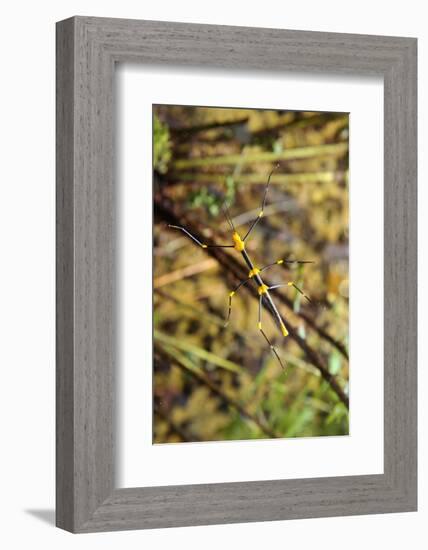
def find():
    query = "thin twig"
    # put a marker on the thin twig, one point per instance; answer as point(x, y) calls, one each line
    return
point(204, 127)
point(303, 123)
point(193, 269)
point(184, 272)
point(277, 179)
point(239, 273)
point(334, 149)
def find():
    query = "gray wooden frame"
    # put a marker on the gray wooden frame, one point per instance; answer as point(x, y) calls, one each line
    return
point(87, 50)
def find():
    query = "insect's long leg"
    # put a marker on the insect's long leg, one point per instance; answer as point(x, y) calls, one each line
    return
point(254, 223)
point(197, 241)
point(291, 283)
point(264, 334)
point(231, 295)
point(281, 262)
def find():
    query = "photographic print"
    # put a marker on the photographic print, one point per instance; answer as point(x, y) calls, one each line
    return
point(250, 274)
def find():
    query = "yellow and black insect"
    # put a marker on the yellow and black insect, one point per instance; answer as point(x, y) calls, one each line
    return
point(254, 272)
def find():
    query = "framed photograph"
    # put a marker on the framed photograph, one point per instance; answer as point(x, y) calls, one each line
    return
point(236, 274)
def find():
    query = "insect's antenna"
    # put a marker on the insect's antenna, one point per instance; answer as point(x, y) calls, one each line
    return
point(255, 222)
point(267, 185)
point(227, 216)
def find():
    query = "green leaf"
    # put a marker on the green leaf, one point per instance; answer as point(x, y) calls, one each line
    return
point(197, 351)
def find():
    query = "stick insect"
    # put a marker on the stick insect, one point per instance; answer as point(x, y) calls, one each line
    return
point(254, 274)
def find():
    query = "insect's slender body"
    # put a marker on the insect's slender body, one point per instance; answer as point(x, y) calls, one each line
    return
point(263, 289)
point(254, 272)
point(251, 265)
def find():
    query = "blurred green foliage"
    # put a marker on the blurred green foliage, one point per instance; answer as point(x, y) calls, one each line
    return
point(161, 145)
point(212, 201)
point(217, 383)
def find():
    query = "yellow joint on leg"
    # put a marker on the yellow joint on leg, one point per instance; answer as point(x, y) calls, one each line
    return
point(260, 325)
point(261, 214)
point(204, 246)
point(262, 289)
point(284, 330)
point(254, 271)
point(239, 244)
point(290, 283)
point(279, 262)
point(232, 293)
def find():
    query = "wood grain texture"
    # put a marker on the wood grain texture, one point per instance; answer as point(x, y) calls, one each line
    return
point(87, 49)
point(64, 277)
